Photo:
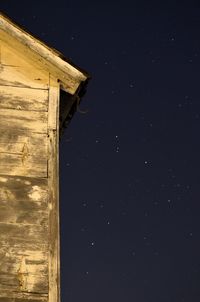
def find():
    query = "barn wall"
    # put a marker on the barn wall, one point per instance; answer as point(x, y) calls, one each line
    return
point(27, 143)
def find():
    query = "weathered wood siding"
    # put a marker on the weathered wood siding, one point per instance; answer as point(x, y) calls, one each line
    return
point(29, 249)
point(69, 76)
point(53, 181)
point(18, 70)
point(13, 98)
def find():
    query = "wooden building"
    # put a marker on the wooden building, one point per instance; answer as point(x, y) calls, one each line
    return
point(39, 92)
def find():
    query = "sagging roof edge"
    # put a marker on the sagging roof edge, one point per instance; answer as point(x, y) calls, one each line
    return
point(46, 52)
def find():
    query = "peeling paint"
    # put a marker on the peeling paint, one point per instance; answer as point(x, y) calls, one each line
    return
point(25, 153)
point(29, 218)
point(22, 275)
point(3, 179)
point(27, 182)
point(36, 193)
point(6, 195)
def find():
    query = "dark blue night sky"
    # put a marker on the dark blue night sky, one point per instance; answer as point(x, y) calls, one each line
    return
point(130, 166)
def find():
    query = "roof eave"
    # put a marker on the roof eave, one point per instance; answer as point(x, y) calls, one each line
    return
point(65, 70)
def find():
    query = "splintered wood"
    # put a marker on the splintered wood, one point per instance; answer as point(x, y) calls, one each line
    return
point(29, 223)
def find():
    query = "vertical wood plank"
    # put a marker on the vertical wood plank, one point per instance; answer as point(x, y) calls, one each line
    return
point(53, 104)
point(53, 183)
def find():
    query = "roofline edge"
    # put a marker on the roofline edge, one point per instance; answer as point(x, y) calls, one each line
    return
point(47, 53)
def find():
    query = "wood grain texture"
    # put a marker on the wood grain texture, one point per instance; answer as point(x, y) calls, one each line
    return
point(20, 142)
point(53, 183)
point(29, 169)
point(23, 229)
point(23, 200)
point(21, 188)
point(23, 165)
point(29, 298)
point(23, 120)
point(53, 105)
point(23, 212)
point(23, 258)
point(23, 153)
point(18, 76)
point(23, 98)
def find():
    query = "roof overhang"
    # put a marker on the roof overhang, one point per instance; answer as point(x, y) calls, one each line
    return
point(71, 77)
